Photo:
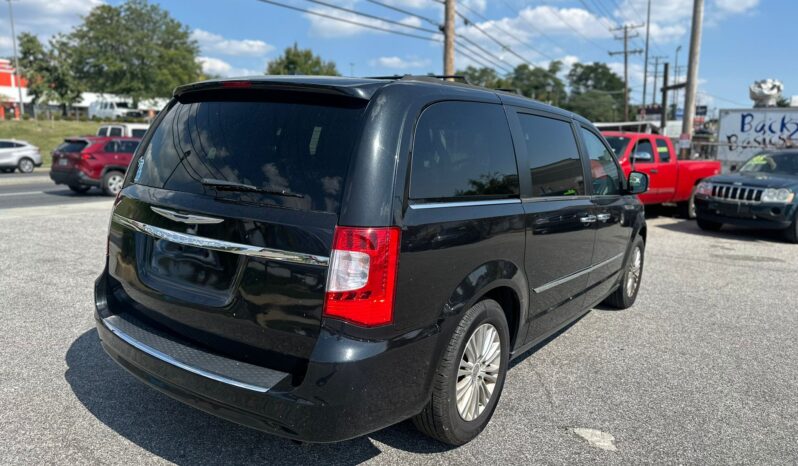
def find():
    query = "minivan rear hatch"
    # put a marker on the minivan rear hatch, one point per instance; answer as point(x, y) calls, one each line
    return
point(223, 235)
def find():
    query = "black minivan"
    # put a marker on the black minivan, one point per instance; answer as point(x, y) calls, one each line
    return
point(320, 258)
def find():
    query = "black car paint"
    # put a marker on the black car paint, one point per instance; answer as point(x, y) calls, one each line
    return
point(766, 215)
point(342, 380)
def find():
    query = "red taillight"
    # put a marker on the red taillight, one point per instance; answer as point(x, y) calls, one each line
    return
point(361, 280)
point(86, 156)
point(237, 84)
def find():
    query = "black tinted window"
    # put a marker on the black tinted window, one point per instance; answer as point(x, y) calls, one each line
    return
point(115, 131)
point(300, 148)
point(555, 166)
point(103, 131)
point(127, 147)
point(111, 147)
point(5, 145)
point(663, 150)
point(138, 133)
point(604, 172)
point(72, 146)
point(644, 152)
point(463, 149)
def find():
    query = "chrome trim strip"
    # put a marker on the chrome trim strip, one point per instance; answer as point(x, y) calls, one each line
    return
point(170, 360)
point(219, 245)
point(438, 205)
point(573, 276)
point(186, 218)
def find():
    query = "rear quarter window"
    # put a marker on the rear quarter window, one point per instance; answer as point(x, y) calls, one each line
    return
point(72, 146)
point(303, 147)
point(463, 150)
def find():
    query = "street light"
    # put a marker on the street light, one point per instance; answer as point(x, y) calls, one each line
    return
point(16, 59)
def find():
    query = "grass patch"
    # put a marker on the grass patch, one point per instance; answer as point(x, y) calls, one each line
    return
point(45, 134)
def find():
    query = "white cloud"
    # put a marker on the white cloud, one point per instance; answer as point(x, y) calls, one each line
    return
point(736, 6)
point(44, 18)
point(215, 43)
point(218, 67)
point(398, 63)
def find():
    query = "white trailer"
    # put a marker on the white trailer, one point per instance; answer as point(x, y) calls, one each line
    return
point(743, 133)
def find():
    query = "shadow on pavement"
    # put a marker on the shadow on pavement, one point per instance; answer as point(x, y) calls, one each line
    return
point(728, 232)
point(184, 435)
point(94, 193)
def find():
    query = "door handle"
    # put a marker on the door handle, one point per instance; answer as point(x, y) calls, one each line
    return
point(604, 217)
point(654, 170)
point(588, 219)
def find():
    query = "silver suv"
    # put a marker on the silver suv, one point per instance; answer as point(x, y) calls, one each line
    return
point(18, 155)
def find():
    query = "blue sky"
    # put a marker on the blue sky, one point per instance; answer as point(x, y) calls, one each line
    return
point(741, 43)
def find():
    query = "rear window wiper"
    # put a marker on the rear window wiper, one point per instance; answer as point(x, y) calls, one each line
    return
point(224, 185)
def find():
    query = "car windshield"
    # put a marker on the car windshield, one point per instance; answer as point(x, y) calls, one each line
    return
point(618, 144)
point(784, 163)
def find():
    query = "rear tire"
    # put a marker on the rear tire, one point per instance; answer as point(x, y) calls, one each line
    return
point(79, 189)
point(708, 225)
point(112, 182)
point(626, 293)
point(466, 372)
point(25, 165)
point(687, 208)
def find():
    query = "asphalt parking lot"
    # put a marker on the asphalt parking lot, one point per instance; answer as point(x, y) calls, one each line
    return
point(702, 370)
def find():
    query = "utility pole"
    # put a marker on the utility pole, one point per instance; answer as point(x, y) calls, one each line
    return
point(692, 67)
point(626, 52)
point(663, 120)
point(448, 38)
point(676, 78)
point(16, 59)
point(645, 61)
point(656, 59)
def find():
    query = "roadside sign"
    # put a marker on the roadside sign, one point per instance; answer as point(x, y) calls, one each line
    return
point(701, 110)
point(684, 141)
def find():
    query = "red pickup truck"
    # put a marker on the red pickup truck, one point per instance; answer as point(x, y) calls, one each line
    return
point(671, 181)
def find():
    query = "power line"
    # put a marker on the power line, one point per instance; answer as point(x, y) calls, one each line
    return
point(508, 33)
point(349, 21)
point(485, 51)
point(577, 31)
point(405, 12)
point(378, 18)
point(626, 52)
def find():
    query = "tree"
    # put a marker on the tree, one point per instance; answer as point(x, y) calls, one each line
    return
point(49, 71)
point(134, 49)
point(594, 105)
point(595, 77)
point(301, 61)
point(540, 83)
point(485, 77)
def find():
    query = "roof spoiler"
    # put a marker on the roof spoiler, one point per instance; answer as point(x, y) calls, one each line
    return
point(271, 85)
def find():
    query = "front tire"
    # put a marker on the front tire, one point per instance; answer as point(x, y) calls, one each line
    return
point(468, 382)
point(626, 293)
point(25, 165)
point(112, 182)
point(791, 233)
point(687, 208)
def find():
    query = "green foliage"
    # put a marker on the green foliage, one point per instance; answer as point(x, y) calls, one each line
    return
point(540, 83)
point(134, 49)
point(485, 77)
point(595, 76)
point(296, 61)
point(49, 70)
point(594, 105)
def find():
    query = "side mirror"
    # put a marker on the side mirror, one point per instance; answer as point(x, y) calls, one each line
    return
point(638, 183)
point(642, 157)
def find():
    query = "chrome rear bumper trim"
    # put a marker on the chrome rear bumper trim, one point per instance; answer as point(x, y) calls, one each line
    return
point(219, 245)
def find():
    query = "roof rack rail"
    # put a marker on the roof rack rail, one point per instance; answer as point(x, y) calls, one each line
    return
point(457, 77)
point(510, 90)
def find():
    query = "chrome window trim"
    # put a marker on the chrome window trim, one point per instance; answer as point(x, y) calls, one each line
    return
point(439, 205)
point(219, 245)
point(170, 360)
point(560, 281)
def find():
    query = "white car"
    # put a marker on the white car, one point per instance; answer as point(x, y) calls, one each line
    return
point(104, 109)
point(18, 155)
point(130, 130)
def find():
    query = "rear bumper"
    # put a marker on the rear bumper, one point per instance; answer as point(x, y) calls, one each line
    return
point(350, 388)
point(73, 177)
point(763, 216)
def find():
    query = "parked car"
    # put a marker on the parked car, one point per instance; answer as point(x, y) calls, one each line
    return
point(18, 155)
point(83, 162)
point(760, 195)
point(135, 130)
point(110, 110)
point(320, 258)
point(672, 181)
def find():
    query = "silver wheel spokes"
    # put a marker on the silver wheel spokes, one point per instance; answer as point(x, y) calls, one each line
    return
point(478, 372)
point(26, 166)
point(633, 275)
point(115, 184)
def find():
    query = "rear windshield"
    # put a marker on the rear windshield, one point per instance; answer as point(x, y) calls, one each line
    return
point(138, 133)
point(302, 148)
point(72, 146)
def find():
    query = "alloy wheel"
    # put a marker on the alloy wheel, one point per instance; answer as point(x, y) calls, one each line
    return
point(25, 166)
point(633, 274)
point(115, 183)
point(478, 372)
